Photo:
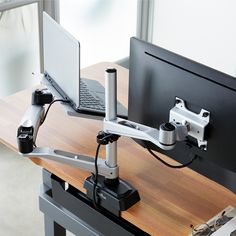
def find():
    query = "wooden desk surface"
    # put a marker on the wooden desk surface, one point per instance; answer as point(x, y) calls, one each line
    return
point(171, 199)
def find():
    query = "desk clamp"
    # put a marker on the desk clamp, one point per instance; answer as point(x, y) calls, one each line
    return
point(114, 194)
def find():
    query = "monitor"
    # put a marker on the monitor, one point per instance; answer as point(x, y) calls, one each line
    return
point(157, 76)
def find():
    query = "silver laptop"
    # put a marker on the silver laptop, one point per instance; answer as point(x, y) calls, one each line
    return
point(62, 70)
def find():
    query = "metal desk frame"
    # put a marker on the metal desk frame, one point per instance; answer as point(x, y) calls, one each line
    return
point(67, 208)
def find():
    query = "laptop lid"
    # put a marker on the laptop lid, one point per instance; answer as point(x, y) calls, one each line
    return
point(61, 59)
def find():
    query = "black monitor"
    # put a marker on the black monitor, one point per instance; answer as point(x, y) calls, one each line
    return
point(157, 76)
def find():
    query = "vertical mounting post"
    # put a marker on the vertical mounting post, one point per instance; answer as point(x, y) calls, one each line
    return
point(115, 194)
point(111, 112)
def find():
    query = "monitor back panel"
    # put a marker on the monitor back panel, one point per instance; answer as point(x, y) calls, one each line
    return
point(157, 77)
point(61, 58)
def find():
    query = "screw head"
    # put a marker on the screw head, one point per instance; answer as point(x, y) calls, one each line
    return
point(177, 101)
point(205, 114)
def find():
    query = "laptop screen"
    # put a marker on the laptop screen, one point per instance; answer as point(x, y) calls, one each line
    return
point(61, 58)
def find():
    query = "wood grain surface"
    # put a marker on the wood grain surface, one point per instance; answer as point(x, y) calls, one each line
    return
point(171, 199)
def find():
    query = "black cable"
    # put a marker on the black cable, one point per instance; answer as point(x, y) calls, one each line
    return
point(169, 165)
point(95, 177)
point(46, 113)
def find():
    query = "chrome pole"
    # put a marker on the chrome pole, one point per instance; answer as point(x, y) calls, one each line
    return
point(111, 112)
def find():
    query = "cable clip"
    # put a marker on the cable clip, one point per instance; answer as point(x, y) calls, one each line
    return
point(104, 138)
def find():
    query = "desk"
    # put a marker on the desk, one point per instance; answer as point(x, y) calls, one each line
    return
point(171, 199)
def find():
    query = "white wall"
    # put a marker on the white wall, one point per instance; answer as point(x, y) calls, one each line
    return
point(103, 27)
point(19, 49)
point(203, 30)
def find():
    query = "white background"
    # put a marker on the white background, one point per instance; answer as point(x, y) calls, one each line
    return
point(103, 27)
point(203, 30)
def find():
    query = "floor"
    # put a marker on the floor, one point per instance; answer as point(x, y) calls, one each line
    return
point(19, 184)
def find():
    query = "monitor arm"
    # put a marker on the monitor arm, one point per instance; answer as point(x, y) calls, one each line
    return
point(26, 137)
point(114, 193)
point(165, 138)
point(182, 122)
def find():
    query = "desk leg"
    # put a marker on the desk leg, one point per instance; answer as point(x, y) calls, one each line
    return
point(57, 219)
point(52, 228)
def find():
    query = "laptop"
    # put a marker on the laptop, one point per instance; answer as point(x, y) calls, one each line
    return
point(62, 71)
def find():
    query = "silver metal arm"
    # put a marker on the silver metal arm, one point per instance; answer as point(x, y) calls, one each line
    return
point(31, 120)
point(27, 134)
point(163, 138)
point(134, 130)
point(182, 123)
point(74, 159)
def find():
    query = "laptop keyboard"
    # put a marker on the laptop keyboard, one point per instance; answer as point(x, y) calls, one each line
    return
point(87, 100)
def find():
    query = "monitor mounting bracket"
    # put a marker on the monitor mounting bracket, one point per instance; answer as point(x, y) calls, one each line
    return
point(196, 123)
